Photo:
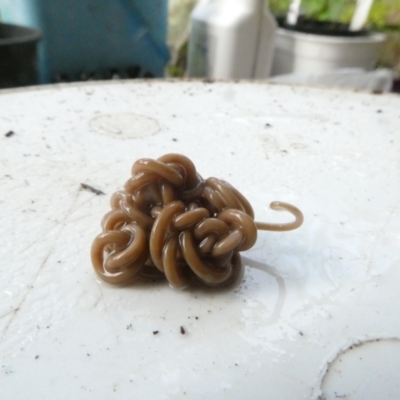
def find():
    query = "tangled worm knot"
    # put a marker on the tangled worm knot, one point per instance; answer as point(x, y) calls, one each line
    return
point(170, 222)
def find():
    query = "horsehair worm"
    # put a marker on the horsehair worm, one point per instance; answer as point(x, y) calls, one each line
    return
point(170, 222)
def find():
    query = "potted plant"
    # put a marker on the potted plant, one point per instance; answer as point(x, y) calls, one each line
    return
point(18, 55)
point(321, 38)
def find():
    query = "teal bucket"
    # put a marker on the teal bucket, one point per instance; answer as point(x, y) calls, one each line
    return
point(85, 39)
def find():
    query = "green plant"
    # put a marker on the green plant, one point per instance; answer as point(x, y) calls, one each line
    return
point(323, 10)
point(384, 15)
point(178, 69)
point(279, 7)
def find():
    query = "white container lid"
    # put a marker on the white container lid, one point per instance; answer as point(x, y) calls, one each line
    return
point(317, 313)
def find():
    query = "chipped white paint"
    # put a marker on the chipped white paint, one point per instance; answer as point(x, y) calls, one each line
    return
point(307, 294)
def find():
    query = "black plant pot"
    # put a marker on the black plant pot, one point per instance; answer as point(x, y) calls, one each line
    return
point(18, 56)
point(327, 28)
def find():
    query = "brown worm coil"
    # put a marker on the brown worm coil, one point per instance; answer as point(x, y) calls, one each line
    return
point(170, 222)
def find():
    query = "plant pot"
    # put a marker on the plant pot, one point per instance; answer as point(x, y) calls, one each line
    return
point(18, 56)
point(304, 52)
point(325, 28)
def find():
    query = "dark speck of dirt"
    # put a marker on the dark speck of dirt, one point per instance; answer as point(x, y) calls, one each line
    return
point(283, 151)
point(182, 330)
point(174, 139)
point(9, 134)
point(36, 357)
point(92, 189)
point(268, 125)
point(379, 111)
point(155, 332)
point(377, 91)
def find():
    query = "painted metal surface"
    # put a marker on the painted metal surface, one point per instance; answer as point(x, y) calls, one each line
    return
point(317, 315)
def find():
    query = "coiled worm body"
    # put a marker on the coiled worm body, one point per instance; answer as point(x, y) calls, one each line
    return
point(170, 222)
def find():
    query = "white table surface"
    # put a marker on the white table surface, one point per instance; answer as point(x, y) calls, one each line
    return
point(318, 312)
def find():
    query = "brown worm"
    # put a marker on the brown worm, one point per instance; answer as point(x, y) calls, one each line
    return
point(170, 222)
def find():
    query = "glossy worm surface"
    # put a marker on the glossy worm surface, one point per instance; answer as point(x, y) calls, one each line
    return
point(170, 222)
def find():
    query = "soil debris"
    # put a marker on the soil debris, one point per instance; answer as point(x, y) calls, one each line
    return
point(91, 188)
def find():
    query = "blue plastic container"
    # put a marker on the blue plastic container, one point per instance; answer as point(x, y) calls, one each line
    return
point(94, 36)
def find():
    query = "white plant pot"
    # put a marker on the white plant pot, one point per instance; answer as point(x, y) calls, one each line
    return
point(297, 52)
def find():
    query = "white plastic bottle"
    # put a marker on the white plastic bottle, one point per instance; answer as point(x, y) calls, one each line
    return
point(231, 39)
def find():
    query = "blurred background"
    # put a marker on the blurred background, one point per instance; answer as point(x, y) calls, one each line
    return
point(77, 40)
point(384, 16)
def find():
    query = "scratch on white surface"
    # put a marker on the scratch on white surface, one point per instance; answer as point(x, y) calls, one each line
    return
point(8, 324)
point(105, 166)
point(56, 224)
point(376, 240)
point(29, 287)
point(72, 210)
point(108, 314)
point(7, 313)
point(280, 301)
point(62, 220)
point(380, 232)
